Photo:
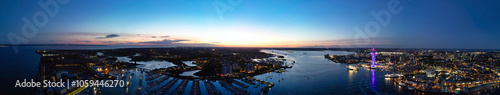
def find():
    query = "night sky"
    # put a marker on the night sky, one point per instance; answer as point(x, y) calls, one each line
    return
point(468, 24)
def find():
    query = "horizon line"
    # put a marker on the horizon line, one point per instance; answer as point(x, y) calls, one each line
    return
point(247, 47)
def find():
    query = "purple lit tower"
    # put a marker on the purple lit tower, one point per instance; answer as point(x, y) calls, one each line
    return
point(373, 55)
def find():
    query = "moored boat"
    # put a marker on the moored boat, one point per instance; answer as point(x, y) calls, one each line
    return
point(350, 67)
point(393, 75)
point(410, 88)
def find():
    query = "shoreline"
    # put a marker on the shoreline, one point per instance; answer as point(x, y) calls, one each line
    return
point(469, 90)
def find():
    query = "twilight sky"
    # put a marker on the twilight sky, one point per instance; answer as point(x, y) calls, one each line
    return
point(256, 23)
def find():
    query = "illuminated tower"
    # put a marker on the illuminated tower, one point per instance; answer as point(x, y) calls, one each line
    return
point(373, 55)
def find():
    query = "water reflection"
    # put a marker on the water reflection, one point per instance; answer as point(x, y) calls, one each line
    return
point(373, 80)
point(351, 75)
point(189, 63)
point(151, 65)
point(387, 80)
point(190, 73)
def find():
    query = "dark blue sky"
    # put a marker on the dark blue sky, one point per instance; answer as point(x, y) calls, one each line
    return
point(259, 23)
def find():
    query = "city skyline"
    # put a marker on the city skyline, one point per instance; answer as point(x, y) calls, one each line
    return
point(276, 23)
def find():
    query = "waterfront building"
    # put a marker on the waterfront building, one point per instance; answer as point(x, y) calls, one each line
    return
point(227, 68)
point(249, 67)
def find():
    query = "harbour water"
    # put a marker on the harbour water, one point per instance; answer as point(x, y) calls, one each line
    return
point(311, 74)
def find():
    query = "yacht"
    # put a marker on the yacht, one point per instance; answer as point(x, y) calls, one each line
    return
point(350, 67)
point(402, 84)
point(393, 75)
point(410, 88)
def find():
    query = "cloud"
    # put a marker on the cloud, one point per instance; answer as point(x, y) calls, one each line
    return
point(109, 36)
point(215, 42)
point(107, 41)
point(181, 40)
point(85, 41)
point(160, 36)
point(163, 42)
point(168, 42)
